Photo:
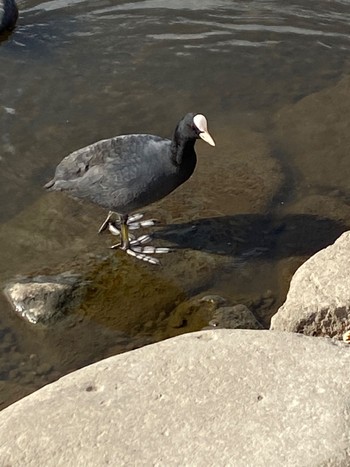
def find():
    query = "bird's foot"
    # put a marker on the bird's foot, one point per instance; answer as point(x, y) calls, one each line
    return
point(134, 222)
point(137, 249)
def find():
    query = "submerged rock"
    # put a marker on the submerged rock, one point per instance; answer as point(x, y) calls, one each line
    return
point(41, 299)
point(209, 312)
point(234, 317)
point(318, 301)
point(314, 133)
point(192, 314)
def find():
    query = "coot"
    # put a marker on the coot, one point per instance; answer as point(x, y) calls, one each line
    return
point(8, 14)
point(128, 172)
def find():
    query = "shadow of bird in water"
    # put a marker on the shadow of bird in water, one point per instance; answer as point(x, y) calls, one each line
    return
point(254, 235)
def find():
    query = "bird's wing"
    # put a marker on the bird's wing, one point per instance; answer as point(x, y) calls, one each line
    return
point(119, 167)
point(76, 165)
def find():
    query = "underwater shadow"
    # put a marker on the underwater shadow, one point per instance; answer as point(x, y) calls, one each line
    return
point(255, 235)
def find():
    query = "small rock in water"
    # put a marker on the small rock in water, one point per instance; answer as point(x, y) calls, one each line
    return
point(41, 299)
point(194, 313)
point(234, 317)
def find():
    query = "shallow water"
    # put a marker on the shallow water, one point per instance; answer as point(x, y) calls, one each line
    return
point(74, 72)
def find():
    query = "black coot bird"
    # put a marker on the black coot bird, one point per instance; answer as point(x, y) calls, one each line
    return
point(128, 172)
point(8, 15)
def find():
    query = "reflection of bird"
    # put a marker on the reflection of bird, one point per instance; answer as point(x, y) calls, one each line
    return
point(8, 14)
point(129, 172)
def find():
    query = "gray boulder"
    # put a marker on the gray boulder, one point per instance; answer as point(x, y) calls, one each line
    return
point(221, 397)
point(318, 301)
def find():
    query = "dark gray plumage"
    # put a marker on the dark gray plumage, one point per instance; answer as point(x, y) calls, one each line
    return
point(128, 172)
point(8, 15)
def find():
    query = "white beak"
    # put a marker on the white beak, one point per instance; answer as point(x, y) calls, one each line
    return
point(201, 123)
point(207, 138)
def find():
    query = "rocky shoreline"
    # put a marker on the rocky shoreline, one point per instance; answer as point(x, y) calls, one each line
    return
point(242, 397)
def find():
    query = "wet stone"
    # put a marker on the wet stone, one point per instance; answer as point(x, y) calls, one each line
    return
point(214, 311)
point(44, 299)
point(193, 314)
point(234, 317)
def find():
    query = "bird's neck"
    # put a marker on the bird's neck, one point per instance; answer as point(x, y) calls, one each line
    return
point(8, 13)
point(182, 149)
point(5, 4)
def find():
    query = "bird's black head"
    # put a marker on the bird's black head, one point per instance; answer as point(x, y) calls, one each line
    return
point(194, 126)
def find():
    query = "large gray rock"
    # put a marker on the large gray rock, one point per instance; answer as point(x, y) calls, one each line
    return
point(318, 301)
point(223, 397)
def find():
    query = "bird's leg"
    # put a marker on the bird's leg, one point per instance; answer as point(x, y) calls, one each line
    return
point(124, 232)
point(134, 222)
point(135, 247)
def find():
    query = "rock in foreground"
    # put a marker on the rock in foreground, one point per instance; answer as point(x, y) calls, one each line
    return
point(318, 301)
point(227, 397)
